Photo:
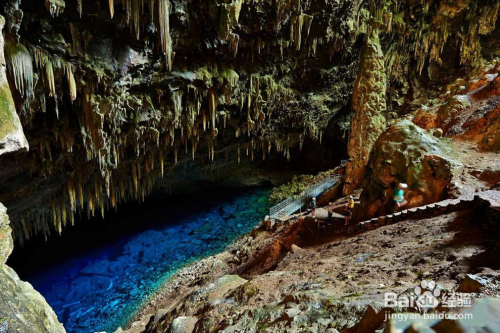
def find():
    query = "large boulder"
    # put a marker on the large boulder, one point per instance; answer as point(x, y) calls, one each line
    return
point(406, 153)
point(22, 308)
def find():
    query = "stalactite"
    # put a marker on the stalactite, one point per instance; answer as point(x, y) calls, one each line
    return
point(152, 4)
point(135, 12)
point(233, 41)
point(166, 43)
point(230, 76)
point(55, 7)
point(49, 75)
point(177, 101)
point(79, 7)
point(76, 39)
point(307, 23)
point(212, 106)
point(68, 69)
point(299, 21)
point(19, 66)
point(111, 7)
point(229, 17)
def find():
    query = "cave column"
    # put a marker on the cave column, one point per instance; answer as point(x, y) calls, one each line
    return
point(369, 108)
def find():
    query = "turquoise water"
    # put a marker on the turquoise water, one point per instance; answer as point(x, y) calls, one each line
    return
point(100, 287)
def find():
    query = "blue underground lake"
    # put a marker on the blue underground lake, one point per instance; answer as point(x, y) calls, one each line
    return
point(99, 272)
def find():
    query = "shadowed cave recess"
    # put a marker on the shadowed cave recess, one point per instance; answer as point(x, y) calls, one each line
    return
point(141, 120)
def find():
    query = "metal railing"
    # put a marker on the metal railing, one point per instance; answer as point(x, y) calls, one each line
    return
point(296, 202)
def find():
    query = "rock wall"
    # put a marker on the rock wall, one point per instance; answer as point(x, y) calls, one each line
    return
point(369, 107)
point(22, 308)
point(11, 132)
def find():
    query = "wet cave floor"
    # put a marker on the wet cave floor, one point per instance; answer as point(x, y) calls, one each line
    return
point(98, 273)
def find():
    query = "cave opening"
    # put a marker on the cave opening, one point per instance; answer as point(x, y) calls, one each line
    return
point(100, 271)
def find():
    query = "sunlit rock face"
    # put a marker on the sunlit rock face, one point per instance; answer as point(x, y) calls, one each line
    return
point(11, 132)
point(406, 154)
point(114, 95)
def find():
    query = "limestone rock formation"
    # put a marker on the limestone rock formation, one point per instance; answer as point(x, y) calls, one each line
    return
point(369, 107)
point(22, 308)
point(406, 153)
point(11, 132)
point(119, 97)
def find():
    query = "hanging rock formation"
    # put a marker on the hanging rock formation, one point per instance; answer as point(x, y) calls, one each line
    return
point(11, 132)
point(369, 108)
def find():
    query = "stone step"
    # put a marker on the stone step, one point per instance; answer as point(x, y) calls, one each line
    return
point(433, 209)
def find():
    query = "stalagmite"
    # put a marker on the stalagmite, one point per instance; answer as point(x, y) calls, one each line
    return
point(369, 104)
